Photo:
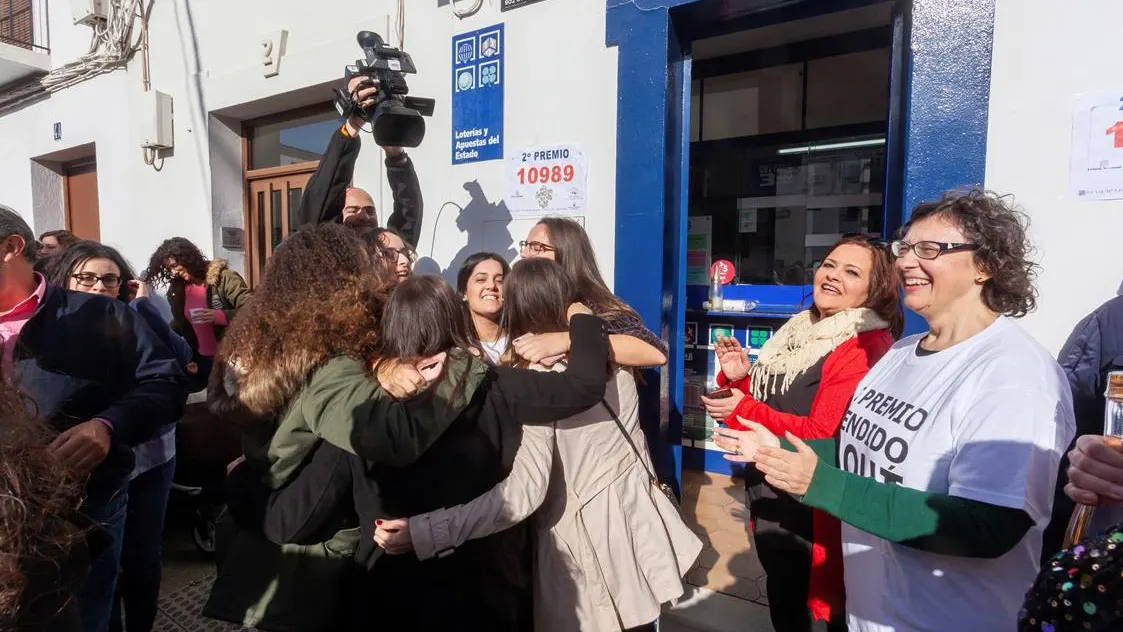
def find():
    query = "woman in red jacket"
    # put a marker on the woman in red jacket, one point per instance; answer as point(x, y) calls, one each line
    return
point(802, 382)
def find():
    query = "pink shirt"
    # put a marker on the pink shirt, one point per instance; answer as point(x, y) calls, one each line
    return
point(195, 297)
point(13, 320)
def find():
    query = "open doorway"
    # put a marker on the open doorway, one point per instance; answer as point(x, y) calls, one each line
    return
point(788, 130)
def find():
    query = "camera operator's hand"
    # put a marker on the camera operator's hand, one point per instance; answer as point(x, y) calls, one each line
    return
point(362, 91)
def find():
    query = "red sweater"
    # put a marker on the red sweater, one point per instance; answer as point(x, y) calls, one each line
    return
point(843, 369)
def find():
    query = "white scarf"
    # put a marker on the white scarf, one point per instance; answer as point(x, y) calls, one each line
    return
point(801, 343)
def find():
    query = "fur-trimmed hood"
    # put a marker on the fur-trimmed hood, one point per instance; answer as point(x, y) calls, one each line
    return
point(214, 270)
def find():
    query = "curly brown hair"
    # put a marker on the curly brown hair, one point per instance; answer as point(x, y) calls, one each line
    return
point(38, 498)
point(321, 297)
point(1000, 230)
point(184, 253)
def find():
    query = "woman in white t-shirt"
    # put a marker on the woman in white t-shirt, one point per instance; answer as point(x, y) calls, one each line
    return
point(944, 470)
point(480, 284)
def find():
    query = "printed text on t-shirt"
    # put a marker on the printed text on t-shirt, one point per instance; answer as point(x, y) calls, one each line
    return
point(894, 449)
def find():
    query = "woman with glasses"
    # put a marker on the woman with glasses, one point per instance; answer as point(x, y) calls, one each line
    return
point(204, 296)
point(93, 268)
point(944, 471)
point(802, 382)
point(396, 254)
point(565, 241)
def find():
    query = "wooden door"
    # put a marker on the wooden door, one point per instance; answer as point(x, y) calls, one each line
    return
point(273, 206)
point(82, 217)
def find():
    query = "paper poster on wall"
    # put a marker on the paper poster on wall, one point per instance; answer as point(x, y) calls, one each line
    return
point(698, 234)
point(1096, 163)
point(548, 180)
point(478, 74)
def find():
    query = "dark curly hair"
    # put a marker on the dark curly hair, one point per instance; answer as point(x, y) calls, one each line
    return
point(59, 270)
point(321, 297)
point(39, 496)
point(185, 254)
point(1000, 230)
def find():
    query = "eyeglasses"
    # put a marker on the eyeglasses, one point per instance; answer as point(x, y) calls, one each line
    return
point(928, 249)
point(536, 247)
point(392, 254)
point(89, 279)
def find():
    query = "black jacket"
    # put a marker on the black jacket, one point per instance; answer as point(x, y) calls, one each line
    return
point(1094, 349)
point(486, 582)
point(325, 193)
point(82, 357)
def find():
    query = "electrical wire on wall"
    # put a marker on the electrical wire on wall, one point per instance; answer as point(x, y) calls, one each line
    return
point(112, 45)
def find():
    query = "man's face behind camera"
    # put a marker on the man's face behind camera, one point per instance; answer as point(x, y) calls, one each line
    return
point(358, 210)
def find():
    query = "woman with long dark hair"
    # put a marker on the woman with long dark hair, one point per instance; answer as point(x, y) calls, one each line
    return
point(328, 445)
point(480, 285)
point(565, 241)
point(204, 296)
point(94, 268)
point(44, 556)
point(802, 382)
point(628, 540)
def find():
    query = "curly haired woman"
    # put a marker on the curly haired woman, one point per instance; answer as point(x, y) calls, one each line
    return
point(204, 296)
point(944, 469)
point(293, 371)
point(43, 553)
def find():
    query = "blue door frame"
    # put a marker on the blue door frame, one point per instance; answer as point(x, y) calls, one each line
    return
point(937, 141)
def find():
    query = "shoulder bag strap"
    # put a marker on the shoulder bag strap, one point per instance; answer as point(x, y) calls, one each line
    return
point(628, 438)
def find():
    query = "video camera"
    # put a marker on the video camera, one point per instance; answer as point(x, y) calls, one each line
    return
point(396, 117)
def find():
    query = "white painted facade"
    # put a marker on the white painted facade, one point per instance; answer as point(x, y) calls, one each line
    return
point(560, 87)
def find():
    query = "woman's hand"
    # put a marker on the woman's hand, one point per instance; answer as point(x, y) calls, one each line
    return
point(731, 356)
point(1095, 471)
point(721, 409)
point(203, 316)
point(137, 289)
point(544, 349)
point(788, 471)
point(403, 380)
point(393, 536)
point(743, 445)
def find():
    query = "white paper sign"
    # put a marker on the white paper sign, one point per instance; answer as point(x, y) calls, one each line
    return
point(547, 180)
point(748, 221)
point(1096, 164)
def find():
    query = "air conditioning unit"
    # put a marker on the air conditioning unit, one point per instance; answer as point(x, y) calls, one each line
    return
point(89, 12)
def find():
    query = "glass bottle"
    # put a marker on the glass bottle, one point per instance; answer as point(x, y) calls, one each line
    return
point(717, 302)
point(1089, 520)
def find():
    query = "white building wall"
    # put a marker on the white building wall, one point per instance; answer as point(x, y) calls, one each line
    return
point(1045, 53)
point(560, 88)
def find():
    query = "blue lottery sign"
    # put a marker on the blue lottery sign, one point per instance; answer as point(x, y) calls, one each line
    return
point(477, 95)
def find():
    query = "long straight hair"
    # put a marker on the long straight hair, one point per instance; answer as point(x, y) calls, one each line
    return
point(537, 295)
point(60, 270)
point(574, 252)
point(465, 274)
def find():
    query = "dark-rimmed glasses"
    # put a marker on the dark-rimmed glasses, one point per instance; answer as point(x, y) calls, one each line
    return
point(928, 249)
point(89, 279)
point(535, 247)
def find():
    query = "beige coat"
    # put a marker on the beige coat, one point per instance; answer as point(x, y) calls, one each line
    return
point(610, 549)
